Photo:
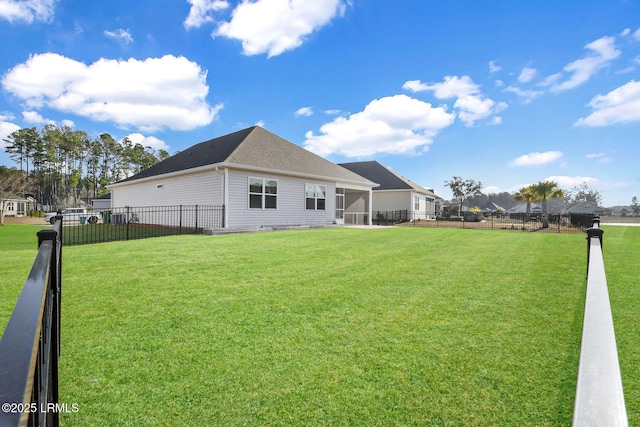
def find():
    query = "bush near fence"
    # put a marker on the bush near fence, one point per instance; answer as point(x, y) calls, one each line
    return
point(131, 223)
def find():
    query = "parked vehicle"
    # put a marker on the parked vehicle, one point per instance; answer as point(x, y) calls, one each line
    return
point(73, 214)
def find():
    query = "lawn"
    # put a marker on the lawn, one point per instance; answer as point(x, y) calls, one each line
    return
point(398, 326)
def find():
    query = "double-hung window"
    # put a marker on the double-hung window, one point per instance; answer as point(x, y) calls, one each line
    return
point(263, 193)
point(315, 197)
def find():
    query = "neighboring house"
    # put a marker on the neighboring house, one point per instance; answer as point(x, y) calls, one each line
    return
point(492, 207)
point(534, 208)
point(559, 206)
point(585, 208)
point(102, 203)
point(396, 192)
point(15, 206)
point(260, 178)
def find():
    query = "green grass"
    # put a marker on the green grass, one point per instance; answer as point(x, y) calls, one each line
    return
point(397, 326)
point(18, 249)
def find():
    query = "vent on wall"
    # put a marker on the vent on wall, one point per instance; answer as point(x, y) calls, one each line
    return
point(160, 186)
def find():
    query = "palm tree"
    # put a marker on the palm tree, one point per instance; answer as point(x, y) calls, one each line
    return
point(525, 194)
point(542, 192)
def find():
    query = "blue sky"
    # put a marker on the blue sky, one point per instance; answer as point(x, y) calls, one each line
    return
point(504, 92)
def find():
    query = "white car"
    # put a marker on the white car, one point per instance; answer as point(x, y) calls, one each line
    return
point(72, 214)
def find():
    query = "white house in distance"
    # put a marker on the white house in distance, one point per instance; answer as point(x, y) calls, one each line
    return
point(397, 193)
point(259, 177)
point(15, 206)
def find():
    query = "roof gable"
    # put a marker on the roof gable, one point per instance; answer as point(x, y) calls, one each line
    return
point(252, 147)
point(387, 178)
point(266, 150)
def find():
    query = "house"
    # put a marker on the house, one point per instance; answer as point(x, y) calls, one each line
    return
point(260, 178)
point(15, 206)
point(397, 193)
point(491, 207)
point(585, 208)
point(559, 206)
point(101, 203)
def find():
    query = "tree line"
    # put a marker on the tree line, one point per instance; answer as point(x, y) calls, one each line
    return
point(64, 166)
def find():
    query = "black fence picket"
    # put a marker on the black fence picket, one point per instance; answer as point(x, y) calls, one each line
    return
point(560, 223)
point(30, 344)
point(129, 223)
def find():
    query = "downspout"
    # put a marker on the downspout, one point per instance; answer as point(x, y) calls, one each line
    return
point(370, 206)
point(225, 201)
point(225, 197)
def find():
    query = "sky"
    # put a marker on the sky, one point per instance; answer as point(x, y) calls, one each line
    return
point(504, 92)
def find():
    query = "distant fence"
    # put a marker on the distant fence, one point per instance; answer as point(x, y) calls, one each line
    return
point(565, 223)
point(599, 394)
point(129, 223)
point(30, 345)
point(390, 217)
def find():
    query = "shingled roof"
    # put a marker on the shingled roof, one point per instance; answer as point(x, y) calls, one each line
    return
point(387, 178)
point(252, 147)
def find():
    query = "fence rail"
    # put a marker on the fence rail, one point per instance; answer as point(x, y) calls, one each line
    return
point(599, 393)
point(30, 344)
point(129, 223)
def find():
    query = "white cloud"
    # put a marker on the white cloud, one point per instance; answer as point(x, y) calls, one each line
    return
point(493, 67)
point(201, 10)
point(601, 157)
point(527, 74)
point(333, 112)
point(526, 95)
point(567, 182)
point(471, 104)
point(304, 111)
point(152, 94)
point(147, 141)
point(621, 105)
point(121, 35)
point(602, 52)
point(395, 124)
point(536, 159)
point(35, 117)
point(276, 26)
point(68, 123)
point(550, 80)
point(27, 10)
point(6, 129)
point(636, 34)
point(415, 86)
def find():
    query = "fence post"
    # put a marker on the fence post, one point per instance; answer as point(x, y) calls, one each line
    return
point(593, 231)
point(180, 218)
point(126, 220)
point(196, 218)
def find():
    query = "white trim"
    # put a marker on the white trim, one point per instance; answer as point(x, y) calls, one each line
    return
point(315, 196)
point(264, 193)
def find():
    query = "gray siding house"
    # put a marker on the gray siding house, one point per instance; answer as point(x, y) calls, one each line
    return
point(259, 177)
point(396, 193)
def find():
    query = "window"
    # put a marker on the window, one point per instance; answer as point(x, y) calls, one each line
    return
point(263, 193)
point(316, 197)
point(416, 202)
